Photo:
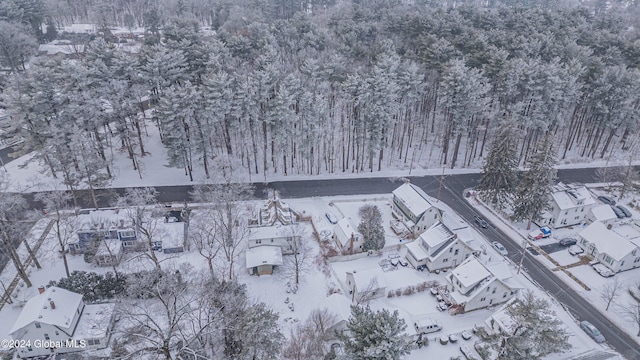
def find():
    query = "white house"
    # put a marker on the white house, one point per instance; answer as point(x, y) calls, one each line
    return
point(414, 208)
point(282, 236)
point(339, 306)
point(601, 213)
point(569, 205)
point(608, 247)
point(473, 285)
point(438, 248)
point(109, 253)
point(54, 319)
point(366, 284)
point(261, 260)
point(347, 236)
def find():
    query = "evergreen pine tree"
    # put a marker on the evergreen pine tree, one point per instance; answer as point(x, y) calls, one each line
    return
point(500, 170)
point(374, 335)
point(534, 191)
point(535, 331)
point(371, 228)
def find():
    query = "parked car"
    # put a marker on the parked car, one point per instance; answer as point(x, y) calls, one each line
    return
point(603, 270)
point(568, 242)
point(618, 212)
point(501, 249)
point(575, 250)
point(592, 331)
point(480, 221)
point(624, 210)
point(543, 232)
point(332, 219)
point(453, 338)
point(466, 335)
point(442, 306)
point(468, 352)
point(607, 200)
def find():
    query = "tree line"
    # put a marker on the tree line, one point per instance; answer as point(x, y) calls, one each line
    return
point(338, 88)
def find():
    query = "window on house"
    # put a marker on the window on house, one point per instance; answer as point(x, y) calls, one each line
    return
point(566, 213)
point(494, 290)
point(490, 301)
point(621, 263)
point(57, 333)
point(636, 260)
point(504, 295)
point(46, 337)
point(582, 210)
point(271, 240)
point(29, 348)
point(258, 241)
point(450, 249)
point(38, 326)
point(512, 293)
point(456, 253)
point(445, 260)
point(488, 289)
point(483, 299)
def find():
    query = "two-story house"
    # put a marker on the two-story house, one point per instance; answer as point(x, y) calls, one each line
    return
point(473, 285)
point(347, 236)
point(414, 208)
point(54, 319)
point(569, 205)
point(607, 246)
point(438, 248)
point(94, 227)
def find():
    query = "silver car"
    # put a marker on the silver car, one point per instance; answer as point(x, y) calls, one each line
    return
point(592, 331)
point(501, 249)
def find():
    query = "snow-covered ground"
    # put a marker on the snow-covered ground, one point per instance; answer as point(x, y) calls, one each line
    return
point(156, 172)
point(583, 272)
point(317, 283)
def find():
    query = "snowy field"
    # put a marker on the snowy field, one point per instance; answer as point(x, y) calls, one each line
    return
point(316, 284)
point(583, 272)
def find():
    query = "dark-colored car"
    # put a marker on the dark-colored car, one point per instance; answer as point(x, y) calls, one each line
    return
point(568, 241)
point(624, 210)
point(480, 221)
point(618, 212)
point(607, 200)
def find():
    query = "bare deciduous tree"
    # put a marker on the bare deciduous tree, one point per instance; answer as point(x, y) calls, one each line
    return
point(299, 262)
point(632, 311)
point(610, 291)
point(64, 226)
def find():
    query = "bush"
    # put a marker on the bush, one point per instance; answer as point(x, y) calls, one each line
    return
point(408, 290)
point(390, 294)
point(398, 292)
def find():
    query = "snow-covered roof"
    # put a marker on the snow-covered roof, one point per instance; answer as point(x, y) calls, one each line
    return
point(172, 234)
point(263, 255)
point(627, 231)
point(39, 309)
point(343, 230)
point(470, 272)
point(363, 278)
point(109, 246)
point(104, 219)
point(338, 305)
point(436, 235)
point(413, 198)
point(607, 241)
point(418, 252)
point(269, 232)
point(65, 49)
point(569, 196)
point(80, 28)
point(603, 213)
point(94, 321)
point(499, 269)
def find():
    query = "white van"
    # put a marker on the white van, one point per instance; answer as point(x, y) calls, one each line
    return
point(426, 326)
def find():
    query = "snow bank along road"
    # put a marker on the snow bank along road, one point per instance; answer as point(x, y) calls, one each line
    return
point(451, 192)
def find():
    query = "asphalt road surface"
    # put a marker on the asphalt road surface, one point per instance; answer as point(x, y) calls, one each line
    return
point(448, 189)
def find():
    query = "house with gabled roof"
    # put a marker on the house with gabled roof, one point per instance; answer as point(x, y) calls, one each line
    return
point(261, 260)
point(347, 236)
point(366, 284)
point(340, 307)
point(602, 213)
point(60, 321)
point(438, 248)
point(569, 205)
point(607, 246)
point(414, 208)
point(473, 285)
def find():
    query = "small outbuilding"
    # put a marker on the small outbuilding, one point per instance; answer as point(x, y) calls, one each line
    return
point(261, 260)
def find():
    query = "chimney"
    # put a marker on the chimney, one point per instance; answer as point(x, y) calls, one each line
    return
point(41, 289)
point(52, 304)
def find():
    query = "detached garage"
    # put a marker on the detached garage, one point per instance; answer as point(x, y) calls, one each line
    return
point(261, 260)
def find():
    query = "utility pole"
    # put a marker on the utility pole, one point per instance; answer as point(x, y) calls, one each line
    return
point(440, 187)
point(524, 248)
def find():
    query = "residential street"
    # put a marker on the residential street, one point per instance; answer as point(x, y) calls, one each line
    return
point(451, 192)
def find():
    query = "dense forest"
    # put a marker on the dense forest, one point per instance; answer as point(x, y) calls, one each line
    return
point(284, 87)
